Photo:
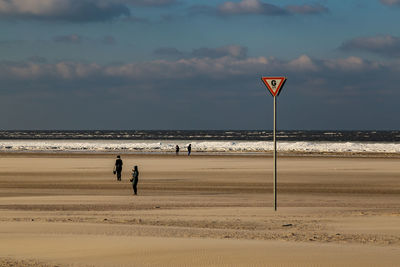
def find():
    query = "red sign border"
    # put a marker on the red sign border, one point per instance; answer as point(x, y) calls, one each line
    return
point(270, 89)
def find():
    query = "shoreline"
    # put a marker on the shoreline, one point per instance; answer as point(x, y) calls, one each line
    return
point(267, 154)
point(201, 147)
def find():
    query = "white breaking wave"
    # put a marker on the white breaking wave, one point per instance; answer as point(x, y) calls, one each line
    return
point(197, 146)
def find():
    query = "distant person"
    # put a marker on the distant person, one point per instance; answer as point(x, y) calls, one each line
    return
point(189, 149)
point(177, 150)
point(135, 179)
point(118, 167)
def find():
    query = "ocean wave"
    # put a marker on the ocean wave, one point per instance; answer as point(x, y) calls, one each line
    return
point(197, 146)
point(204, 135)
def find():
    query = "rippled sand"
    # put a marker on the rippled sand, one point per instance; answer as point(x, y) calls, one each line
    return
point(203, 210)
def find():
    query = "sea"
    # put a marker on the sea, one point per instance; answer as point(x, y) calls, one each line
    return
point(202, 141)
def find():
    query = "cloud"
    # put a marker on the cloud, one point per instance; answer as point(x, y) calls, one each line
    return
point(352, 64)
point(149, 2)
point(258, 7)
point(63, 10)
point(78, 39)
point(390, 2)
point(69, 39)
point(192, 92)
point(235, 51)
point(168, 51)
point(191, 67)
point(303, 63)
point(385, 45)
point(109, 40)
point(307, 9)
point(135, 19)
point(37, 59)
point(201, 10)
point(245, 7)
point(323, 77)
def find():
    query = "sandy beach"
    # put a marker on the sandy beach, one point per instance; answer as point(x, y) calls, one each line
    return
point(203, 210)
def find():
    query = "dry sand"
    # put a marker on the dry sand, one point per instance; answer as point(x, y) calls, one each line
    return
point(203, 210)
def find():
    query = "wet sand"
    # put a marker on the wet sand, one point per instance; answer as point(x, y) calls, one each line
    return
point(203, 210)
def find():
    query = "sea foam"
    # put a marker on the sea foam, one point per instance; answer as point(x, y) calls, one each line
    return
point(197, 146)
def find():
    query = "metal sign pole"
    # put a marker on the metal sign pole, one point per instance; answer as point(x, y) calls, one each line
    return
point(274, 85)
point(275, 169)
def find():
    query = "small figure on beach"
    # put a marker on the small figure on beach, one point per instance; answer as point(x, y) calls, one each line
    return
point(118, 167)
point(177, 150)
point(189, 149)
point(135, 179)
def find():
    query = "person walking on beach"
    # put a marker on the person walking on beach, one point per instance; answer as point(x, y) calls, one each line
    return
point(118, 167)
point(177, 150)
point(189, 149)
point(135, 179)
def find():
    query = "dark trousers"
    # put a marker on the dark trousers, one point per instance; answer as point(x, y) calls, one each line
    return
point(134, 185)
point(119, 175)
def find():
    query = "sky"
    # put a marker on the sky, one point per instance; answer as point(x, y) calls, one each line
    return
point(176, 64)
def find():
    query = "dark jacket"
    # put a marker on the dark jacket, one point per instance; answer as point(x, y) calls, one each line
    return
point(118, 165)
point(135, 176)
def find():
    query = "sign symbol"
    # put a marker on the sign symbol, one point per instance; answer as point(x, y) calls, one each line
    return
point(274, 84)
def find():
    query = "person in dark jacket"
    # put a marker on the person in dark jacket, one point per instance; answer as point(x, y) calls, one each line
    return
point(177, 150)
point(189, 149)
point(118, 167)
point(135, 179)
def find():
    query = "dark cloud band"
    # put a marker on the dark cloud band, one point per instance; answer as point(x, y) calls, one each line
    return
point(258, 7)
point(63, 10)
point(390, 2)
point(385, 45)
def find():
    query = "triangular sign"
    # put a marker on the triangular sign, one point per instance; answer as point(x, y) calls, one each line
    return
point(274, 84)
